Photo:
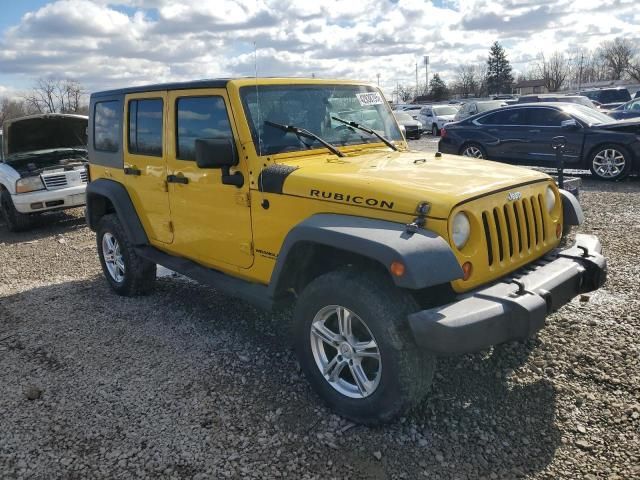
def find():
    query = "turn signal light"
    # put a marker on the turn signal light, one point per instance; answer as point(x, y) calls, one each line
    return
point(467, 269)
point(397, 269)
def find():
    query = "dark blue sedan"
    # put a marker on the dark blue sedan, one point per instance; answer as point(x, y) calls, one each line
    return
point(627, 110)
point(522, 134)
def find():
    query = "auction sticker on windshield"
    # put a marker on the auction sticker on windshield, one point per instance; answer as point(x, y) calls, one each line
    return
point(369, 98)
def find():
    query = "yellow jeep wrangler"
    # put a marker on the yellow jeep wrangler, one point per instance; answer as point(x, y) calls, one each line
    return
point(303, 192)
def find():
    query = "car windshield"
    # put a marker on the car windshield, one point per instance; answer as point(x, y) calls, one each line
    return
point(311, 107)
point(403, 117)
point(446, 110)
point(588, 115)
point(485, 106)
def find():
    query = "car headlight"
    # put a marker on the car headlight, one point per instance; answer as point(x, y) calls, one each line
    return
point(551, 199)
point(29, 184)
point(419, 125)
point(461, 230)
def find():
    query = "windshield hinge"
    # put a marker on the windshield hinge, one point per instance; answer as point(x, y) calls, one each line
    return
point(247, 248)
point(243, 198)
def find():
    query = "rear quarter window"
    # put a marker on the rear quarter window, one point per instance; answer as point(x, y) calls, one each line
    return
point(106, 126)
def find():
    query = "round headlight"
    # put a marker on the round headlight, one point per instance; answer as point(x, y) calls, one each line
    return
point(461, 229)
point(551, 199)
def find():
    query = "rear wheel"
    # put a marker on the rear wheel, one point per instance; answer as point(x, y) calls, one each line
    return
point(353, 343)
point(127, 272)
point(434, 130)
point(15, 220)
point(473, 150)
point(610, 162)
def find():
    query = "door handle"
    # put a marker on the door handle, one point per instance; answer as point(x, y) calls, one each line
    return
point(132, 171)
point(177, 179)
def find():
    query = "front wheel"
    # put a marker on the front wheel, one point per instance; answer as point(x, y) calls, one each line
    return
point(610, 162)
point(127, 272)
point(15, 221)
point(353, 343)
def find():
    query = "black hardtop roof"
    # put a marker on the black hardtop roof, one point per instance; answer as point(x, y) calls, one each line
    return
point(206, 83)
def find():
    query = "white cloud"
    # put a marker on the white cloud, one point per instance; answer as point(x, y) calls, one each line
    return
point(111, 43)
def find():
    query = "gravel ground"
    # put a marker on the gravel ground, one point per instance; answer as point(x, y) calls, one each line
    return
point(187, 383)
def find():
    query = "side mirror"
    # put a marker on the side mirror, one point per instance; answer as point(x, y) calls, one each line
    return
point(570, 124)
point(216, 153)
point(219, 153)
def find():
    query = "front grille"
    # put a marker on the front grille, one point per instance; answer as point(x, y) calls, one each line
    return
point(516, 229)
point(55, 181)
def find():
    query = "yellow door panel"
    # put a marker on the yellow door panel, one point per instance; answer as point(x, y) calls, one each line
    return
point(211, 221)
point(145, 162)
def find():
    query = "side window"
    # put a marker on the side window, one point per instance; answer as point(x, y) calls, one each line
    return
point(545, 117)
point(145, 127)
point(503, 117)
point(106, 126)
point(199, 117)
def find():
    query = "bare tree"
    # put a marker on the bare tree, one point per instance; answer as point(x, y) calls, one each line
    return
point(553, 71)
point(56, 96)
point(466, 80)
point(617, 55)
point(10, 109)
point(634, 68)
point(481, 80)
point(404, 93)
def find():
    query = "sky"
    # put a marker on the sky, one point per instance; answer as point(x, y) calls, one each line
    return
point(114, 43)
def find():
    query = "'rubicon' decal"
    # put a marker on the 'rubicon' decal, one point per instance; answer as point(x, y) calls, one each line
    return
point(356, 199)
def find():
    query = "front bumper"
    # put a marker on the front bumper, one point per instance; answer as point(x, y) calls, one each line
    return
point(515, 307)
point(43, 200)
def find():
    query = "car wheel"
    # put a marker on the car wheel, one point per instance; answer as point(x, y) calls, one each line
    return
point(354, 346)
point(610, 162)
point(15, 221)
point(127, 272)
point(434, 130)
point(473, 150)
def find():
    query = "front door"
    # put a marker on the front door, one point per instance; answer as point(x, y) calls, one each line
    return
point(145, 162)
point(543, 124)
point(211, 220)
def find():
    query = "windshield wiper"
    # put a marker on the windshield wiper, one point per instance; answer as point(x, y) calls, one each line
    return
point(367, 130)
point(303, 132)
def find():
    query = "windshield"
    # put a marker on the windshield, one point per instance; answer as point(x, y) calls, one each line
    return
point(445, 110)
point(486, 106)
point(311, 107)
point(588, 115)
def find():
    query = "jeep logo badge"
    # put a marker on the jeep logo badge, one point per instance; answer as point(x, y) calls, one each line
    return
point(511, 196)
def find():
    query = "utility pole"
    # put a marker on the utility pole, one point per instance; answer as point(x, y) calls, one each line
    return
point(416, 79)
point(426, 74)
point(580, 72)
point(378, 75)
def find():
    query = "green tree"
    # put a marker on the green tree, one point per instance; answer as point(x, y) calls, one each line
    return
point(499, 76)
point(439, 90)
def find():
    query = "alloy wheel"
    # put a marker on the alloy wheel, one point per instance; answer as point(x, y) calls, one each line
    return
point(609, 163)
point(113, 257)
point(472, 151)
point(345, 351)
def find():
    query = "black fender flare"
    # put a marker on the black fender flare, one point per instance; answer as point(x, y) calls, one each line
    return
point(427, 257)
point(118, 196)
point(571, 209)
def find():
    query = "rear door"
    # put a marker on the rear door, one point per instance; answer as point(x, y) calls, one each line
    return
point(145, 162)
point(211, 220)
point(505, 135)
point(543, 124)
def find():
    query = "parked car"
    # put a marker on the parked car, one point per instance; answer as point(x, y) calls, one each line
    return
point(550, 97)
point(477, 106)
point(381, 253)
point(630, 109)
point(434, 117)
point(608, 98)
point(522, 134)
point(412, 128)
point(44, 166)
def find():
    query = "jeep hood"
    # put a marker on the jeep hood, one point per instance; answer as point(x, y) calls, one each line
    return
point(399, 181)
point(44, 132)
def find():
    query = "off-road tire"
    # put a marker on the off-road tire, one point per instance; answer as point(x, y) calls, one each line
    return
point(140, 274)
point(610, 147)
point(406, 372)
point(15, 221)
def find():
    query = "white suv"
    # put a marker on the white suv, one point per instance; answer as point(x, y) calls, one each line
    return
point(434, 117)
point(43, 167)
